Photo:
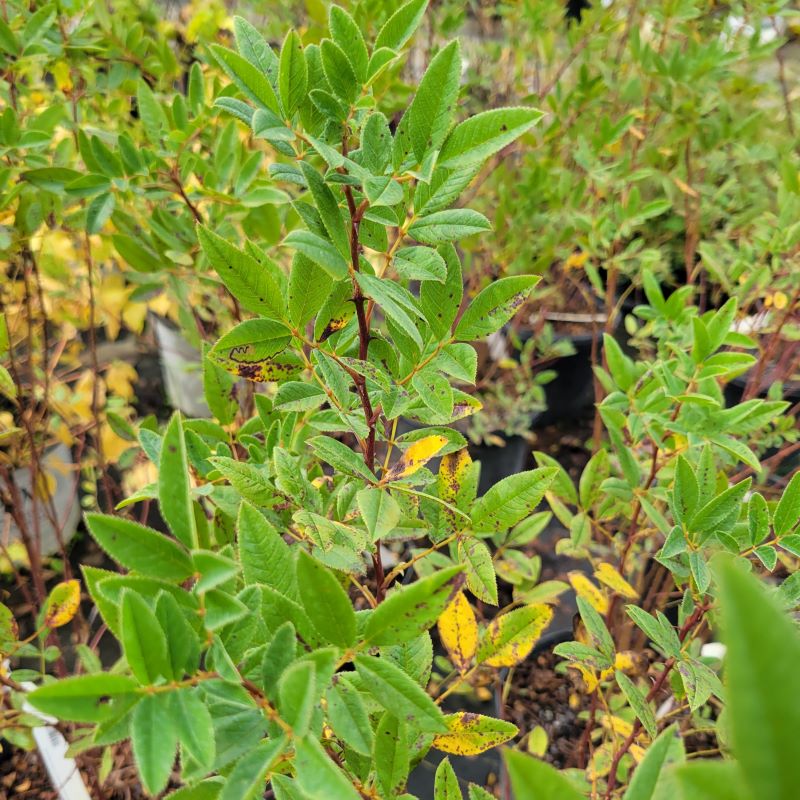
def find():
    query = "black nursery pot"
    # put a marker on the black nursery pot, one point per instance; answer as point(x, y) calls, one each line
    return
point(499, 462)
point(571, 392)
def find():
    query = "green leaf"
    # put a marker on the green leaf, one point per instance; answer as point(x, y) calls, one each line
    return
point(174, 490)
point(481, 578)
point(150, 112)
point(326, 603)
point(427, 121)
point(685, 492)
point(445, 784)
point(297, 695)
point(135, 254)
point(328, 208)
point(246, 780)
point(348, 716)
point(449, 226)
point(494, 306)
point(251, 82)
point(319, 250)
point(592, 477)
point(787, 514)
point(348, 36)
point(389, 296)
point(420, 264)
point(532, 779)
point(248, 479)
point(309, 287)
point(278, 655)
point(341, 457)
point(252, 341)
point(440, 302)
point(408, 611)
point(86, 698)
point(213, 569)
point(511, 500)
point(183, 648)
point(763, 650)
point(720, 510)
point(317, 774)
point(252, 45)
point(98, 212)
point(390, 754)
point(400, 27)
point(397, 692)
point(247, 280)
point(292, 73)
point(139, 548)
point(143, 640)
point(339, 72)
point(265, 557)
point(483, 135)
point(154, 739)
point(379, 511)
point(298, 396)
point(638, 703)
point(643, 785)
point(704, 779)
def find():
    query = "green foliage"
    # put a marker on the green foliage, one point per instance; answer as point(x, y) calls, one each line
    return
point(237, 621)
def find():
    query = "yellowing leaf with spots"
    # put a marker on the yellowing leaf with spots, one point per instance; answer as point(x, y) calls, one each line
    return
point(452, 474)
point(458, 630)
point(470, 734)
point(609, 576)
point(510, 637)
point(585, 588)
point(279, 368)
point(62, 604)
point(415, 457)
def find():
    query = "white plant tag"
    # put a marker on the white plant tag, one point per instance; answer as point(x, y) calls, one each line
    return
point(64, 773)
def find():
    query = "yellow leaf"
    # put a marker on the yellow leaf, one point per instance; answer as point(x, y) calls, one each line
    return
point(470, 734)
point(589, 676)
point(624, 661)
point(510, 637)
point(586, 589)
point(576, 260)
point(684, 187)
point(113, 445)
point(415, 457)
point(62, 604)
point(780, 300)
point(458, 630)
point(609, 576)
point(616, 725)
point(638, 752)
point(120, 378)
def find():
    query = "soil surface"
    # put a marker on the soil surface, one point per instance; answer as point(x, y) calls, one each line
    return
point(23, 776)
point(540, 696)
